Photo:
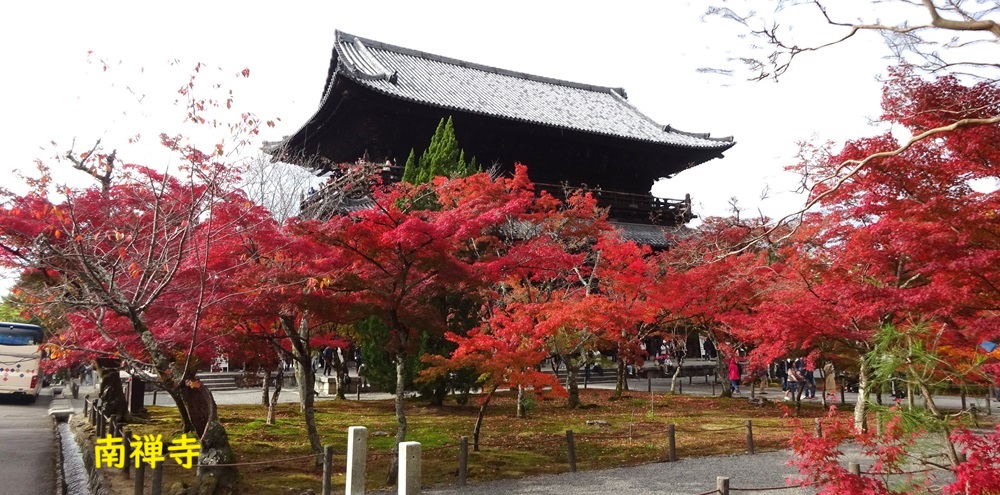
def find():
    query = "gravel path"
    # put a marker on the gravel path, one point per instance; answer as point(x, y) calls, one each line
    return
point(685, 477)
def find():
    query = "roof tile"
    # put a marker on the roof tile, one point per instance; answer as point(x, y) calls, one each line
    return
point(464, 86)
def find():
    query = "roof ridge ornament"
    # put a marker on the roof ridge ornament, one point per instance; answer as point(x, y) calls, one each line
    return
point(368, 61)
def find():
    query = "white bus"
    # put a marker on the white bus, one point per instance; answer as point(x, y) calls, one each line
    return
point(21, 359)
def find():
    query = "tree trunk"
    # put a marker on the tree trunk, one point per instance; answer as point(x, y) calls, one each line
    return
point(861, 406)
point(400, 417)
point(521, 411)
point(272, 406)
point(479, 418)
point(822, 376)
point(572, 384)
point(178, 399)
point(340, 370)
point(113, 401)
point(305, 376)
point(215, 448)
point(265, 389)
point(722, 373)
point(621, 381)
point(676, 376)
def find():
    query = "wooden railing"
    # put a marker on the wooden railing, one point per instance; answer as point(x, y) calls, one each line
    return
point(350, 189)
point(631, 207)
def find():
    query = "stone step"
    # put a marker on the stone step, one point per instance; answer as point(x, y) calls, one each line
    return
point(218, 383)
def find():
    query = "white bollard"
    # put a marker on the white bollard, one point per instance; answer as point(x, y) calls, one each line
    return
point(408, 479)
point(357, 454)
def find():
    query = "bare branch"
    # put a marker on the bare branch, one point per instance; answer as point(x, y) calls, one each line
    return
point(853, 167)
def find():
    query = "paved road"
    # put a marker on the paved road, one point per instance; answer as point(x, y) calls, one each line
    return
point(27, 447)
point(697, 386)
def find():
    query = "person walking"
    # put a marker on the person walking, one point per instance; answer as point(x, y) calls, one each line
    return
point(764, 379)
point(830, 378)
point(734, 375)
point(328, 360)
point(802, 380)
point(792, 378)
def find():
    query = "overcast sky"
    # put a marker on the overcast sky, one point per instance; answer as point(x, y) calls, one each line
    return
point(652, 49)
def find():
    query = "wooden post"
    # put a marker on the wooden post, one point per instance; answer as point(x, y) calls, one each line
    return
point(854, 468)
point(127, 444)
point(154, 396)
point(722, 485)
point(101, 425)
point(819, 429)
point(408, 479)
point(571, 451)
point(749, 437)
point(962, 395)
point(140, 473)
point(713, 388)
point(672, 442)
point(680, 386)
point(86, 405)
point(649, 383)
point(357, 456)
point(843, 390)
point(358, 391)
point(327, 469)
point(463, 461)
point(156, 485)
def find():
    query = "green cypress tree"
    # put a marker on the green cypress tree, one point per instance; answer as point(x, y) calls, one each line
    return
point(411, 169)
point(442, 157)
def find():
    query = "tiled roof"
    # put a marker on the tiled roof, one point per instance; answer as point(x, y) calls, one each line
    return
point(651, 235)
point(455, 84)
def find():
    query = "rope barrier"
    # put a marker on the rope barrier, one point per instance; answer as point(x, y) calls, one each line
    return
point(722, 429)
point(433, 449)
point(772, 488)
point(767, 489)
point(608, 436)
point(871, 473)
point(254, 463)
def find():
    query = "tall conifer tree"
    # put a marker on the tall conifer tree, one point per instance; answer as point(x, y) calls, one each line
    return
point(442, 158)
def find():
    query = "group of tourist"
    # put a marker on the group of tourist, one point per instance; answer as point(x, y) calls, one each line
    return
point(326, 359)
point(798, 380)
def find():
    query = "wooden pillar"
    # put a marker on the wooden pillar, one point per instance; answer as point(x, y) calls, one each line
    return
point(749, 425)
point(156, 485)
point(327, 486)
point(672, 442)
point(127, 444)
point(463, 461)
point(140, 474)
point(571, 451)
